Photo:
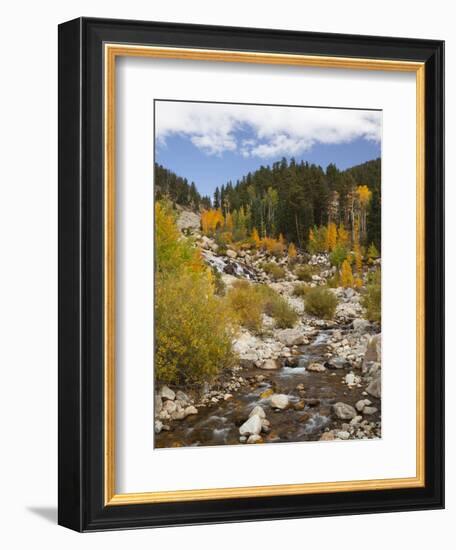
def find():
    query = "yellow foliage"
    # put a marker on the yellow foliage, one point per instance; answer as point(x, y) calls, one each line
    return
point(342, 236)
point(292, 252)
point(331, 237)
point(256, 238)
point(346, 275)
point(364, 194)
point(210, 220)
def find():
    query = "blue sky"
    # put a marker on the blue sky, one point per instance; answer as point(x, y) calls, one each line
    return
point(211, 143)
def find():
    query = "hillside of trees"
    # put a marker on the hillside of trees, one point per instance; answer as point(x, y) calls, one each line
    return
point(178, 190)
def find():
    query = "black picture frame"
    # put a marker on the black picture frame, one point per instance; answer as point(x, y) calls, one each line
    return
point(81, 472)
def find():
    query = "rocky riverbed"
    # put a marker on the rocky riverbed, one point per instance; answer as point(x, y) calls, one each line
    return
point(320, 380)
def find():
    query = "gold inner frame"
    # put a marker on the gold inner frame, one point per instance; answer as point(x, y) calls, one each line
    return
point(111, 52)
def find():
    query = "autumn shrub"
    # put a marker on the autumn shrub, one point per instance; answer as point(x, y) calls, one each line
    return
point(274, 270)
point(193, 326)
point(320, 302)
point(219, 285)
point(300, 290)
point(304, 273)
point(247, 308)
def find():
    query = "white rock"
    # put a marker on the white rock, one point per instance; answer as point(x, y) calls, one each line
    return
point(350, 379)
point(259, 411)
point(279, 401)
point(343, 435)
point(252, 426)
point(158, 426)
point(270, 364)
point(167, 393)
point(169, 406)
point(190, 410)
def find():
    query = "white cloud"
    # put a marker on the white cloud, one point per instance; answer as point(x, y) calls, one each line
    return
point(277, 131)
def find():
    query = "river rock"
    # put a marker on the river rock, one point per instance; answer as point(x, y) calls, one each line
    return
point(270, 364)
point(158, 404)
point(231, 254)
point(279, 401)
point(361, 404)
point(344, 411)
point(169, 406)
point(167, 393)
point(343, 435)
point(259, 411)
point(291, 337)
point(190, 410)
point(370, 410)
point(178, 414)
point(252, 426)
point(181, 396)
point(375, 387)
point(315, 367)
point(158, 426)
point(374, 349)
point(255, 438)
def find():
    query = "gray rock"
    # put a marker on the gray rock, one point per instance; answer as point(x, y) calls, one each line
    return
point(167, 393)
point(179, 414)
point(181, 396)
point(252, 426)
point(375, 387)
point(370, 410)
point(259, 411)
point(279, 401)
point(344, 411)
point(343, 435)
point(291, 337)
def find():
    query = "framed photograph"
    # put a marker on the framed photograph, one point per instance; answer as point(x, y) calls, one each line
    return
point(251, 312)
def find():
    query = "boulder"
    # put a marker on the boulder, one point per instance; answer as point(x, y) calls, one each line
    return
point(370, 410)
point(279, 401)
point(158, 404)
point(270, 364)
point(344, 411)
point(291, 337)
point(327, 436)
point(316, 367)
point(181, 396)
point(259, 411)
point(190, 410)
point(252, 426)
point(231, 254)
point(375, 388)
point(169, 407)
point(374, 349)
point(167, 393)
point(255, 438)
point(343, 435)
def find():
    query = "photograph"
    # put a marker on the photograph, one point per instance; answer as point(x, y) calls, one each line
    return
point(267, 274)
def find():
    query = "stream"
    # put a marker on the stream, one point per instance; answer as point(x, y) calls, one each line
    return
point(309, 413)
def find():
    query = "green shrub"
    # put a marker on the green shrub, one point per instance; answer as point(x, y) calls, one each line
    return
point(276, 307)
point(304, 273)
point(320, 302)
point(219, 285)
point(338, 255)
point(274, 270)
point(243, 301)
point(372, 298)
point(300, 290)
